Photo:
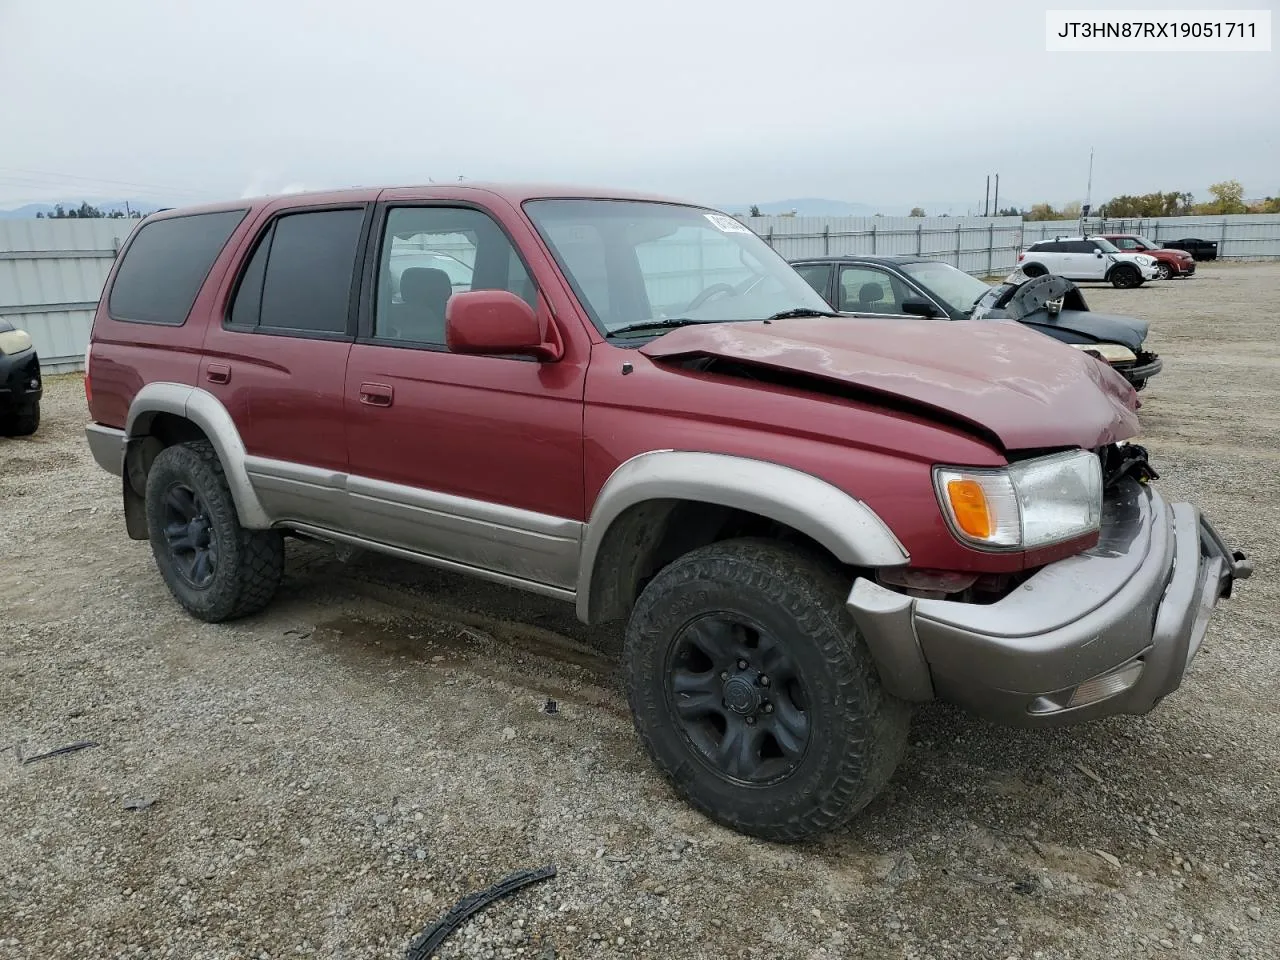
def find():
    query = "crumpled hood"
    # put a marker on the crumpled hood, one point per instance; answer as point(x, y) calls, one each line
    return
point(1023, 387)
point(1101, 327)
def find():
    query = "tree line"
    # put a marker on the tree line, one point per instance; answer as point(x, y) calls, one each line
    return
point(1227, 199)
point(87, 211)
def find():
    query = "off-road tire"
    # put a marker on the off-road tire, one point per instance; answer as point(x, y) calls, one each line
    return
point(857, 731)
point(1125, 276)
point(1165, 271)
point(250, 563)
point(21, 422)
point(1035, 270)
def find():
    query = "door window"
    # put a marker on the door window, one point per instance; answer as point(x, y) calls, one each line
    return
point(431, 253)
point(867, 290)
point(817, 275)
point(299, 277)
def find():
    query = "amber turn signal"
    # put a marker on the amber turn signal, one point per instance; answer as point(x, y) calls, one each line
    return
point(969, 507)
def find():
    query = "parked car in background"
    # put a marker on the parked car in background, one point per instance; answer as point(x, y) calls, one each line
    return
point(806, 523)
point(1171, 263)
point(20, 382)
point(1087, 258)
point(1199, 249)
point(909, 285)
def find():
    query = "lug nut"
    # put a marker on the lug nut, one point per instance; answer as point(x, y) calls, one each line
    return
point(764, 680)
point(742, 664)
point(768, 708)
point(750, 720)
point(724, 674)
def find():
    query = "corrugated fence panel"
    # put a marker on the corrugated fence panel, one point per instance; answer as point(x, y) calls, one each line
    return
point(51, 275)
point(979, 245)
point(1249, 236)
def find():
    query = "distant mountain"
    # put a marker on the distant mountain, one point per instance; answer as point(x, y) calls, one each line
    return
point(822, 207)
point(28, 211)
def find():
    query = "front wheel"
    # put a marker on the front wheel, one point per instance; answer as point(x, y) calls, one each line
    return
point(1126, 276)
point(754, 693)
point(212, 565)
point(21, 422)
point(1165, 271)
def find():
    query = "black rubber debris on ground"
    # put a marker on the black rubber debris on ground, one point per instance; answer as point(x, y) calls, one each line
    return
point(425, 943)
point(69, 748)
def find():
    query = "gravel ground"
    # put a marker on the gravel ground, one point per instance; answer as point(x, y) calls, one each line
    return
point(328, 777)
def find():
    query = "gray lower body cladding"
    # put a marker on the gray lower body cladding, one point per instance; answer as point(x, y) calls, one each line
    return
point(1109, 631)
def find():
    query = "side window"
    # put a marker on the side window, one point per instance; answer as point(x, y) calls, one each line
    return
point(816, 275)
point(867, 290)
point(298, 278)
point(166, 264)
point(431, 253)
point(1127, 243)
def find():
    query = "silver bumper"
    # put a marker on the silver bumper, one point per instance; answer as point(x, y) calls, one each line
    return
point(107, 446)
point(1109, 631)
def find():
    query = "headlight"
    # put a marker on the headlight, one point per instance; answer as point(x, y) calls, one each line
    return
point(14, 341)
point(1029, 504)
point(1143, 259)
point(1111, 352)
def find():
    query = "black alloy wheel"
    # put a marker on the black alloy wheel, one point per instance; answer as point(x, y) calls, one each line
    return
point(739, 698)
point(189, 535)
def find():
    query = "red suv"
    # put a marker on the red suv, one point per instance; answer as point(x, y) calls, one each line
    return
point(808, 523)
point(1170, 263)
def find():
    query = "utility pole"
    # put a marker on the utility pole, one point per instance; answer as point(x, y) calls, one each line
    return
point(986, 197)
point(996, 205)
point(128, 213)
point(1088, 193)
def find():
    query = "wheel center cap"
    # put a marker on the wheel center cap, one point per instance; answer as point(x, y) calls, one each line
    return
point(741, 696)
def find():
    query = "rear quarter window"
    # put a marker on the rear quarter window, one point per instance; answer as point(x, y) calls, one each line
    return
point(166, 264)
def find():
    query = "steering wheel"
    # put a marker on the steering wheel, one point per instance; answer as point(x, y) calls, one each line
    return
point(707, 294)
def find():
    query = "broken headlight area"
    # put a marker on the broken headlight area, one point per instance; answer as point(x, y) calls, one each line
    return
point(1120, 460)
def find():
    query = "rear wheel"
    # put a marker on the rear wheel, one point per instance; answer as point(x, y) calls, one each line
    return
point(212, 565)
point(754, 693)
point(22, 421)
point(1125, 275)
point(1035, 270)
point(1164, 270)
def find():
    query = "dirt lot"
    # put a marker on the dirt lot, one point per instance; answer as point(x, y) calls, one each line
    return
point(332, 775)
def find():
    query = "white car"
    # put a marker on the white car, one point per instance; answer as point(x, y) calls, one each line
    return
point(1087, 258)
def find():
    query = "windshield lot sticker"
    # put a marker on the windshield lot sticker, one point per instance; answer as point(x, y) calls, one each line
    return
point(725, 224)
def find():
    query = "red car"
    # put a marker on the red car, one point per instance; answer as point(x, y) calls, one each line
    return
point(806, 522)
point(1170, 263)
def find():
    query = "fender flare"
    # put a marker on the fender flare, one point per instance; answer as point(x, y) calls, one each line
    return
point(206, 412)
point(844, 525)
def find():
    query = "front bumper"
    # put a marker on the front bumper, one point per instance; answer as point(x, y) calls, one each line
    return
point(20, 380)
point(1186, 267)
point(1141, 371)
point(1151, 272)
point(1109, 631)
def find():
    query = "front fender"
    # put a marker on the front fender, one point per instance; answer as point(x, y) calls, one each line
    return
point(844, 525)
point(206, 412)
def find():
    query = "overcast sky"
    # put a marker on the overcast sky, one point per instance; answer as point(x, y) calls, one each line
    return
point(717, 101)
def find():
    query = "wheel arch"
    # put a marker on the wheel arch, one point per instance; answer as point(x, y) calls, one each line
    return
point(658, 505)
point(162, 414)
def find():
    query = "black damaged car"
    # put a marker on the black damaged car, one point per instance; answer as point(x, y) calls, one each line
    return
point(20, 382)
point(916, 286)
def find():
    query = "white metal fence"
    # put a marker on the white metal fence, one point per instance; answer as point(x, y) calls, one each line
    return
point(1242, 237)
point(52, 271)
point(51, 275)
point(985, 246)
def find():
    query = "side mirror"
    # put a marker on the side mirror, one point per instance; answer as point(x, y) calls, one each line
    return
point(496, 322)
point(919, 307)
point(1097, 253)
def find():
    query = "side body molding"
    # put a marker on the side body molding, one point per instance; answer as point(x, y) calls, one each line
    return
point(846, 526)
point(207, 412)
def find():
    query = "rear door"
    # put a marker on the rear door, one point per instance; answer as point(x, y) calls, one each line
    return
point(476, 461)
point(277, 359)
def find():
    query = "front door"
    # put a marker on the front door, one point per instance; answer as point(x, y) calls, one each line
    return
point(472, 460)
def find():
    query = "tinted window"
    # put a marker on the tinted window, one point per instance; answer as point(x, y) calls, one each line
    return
point(1080, 246)
point(431, 253)
point(816, 275)
point(248, 298)
point(1049, 246)
point(166, 264)
point(307, 281)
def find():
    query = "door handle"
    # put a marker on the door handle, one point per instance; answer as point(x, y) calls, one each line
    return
point(218, 373)
point(376, 394)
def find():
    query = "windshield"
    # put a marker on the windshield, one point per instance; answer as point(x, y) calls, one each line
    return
point(1146, 244)
point(957, 289)
point(635, 262)
point(1106, 246)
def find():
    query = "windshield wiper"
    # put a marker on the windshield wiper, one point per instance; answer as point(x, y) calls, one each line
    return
point(656, 325)
point(802, 312)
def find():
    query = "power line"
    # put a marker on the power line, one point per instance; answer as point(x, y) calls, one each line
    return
point(49, 176)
